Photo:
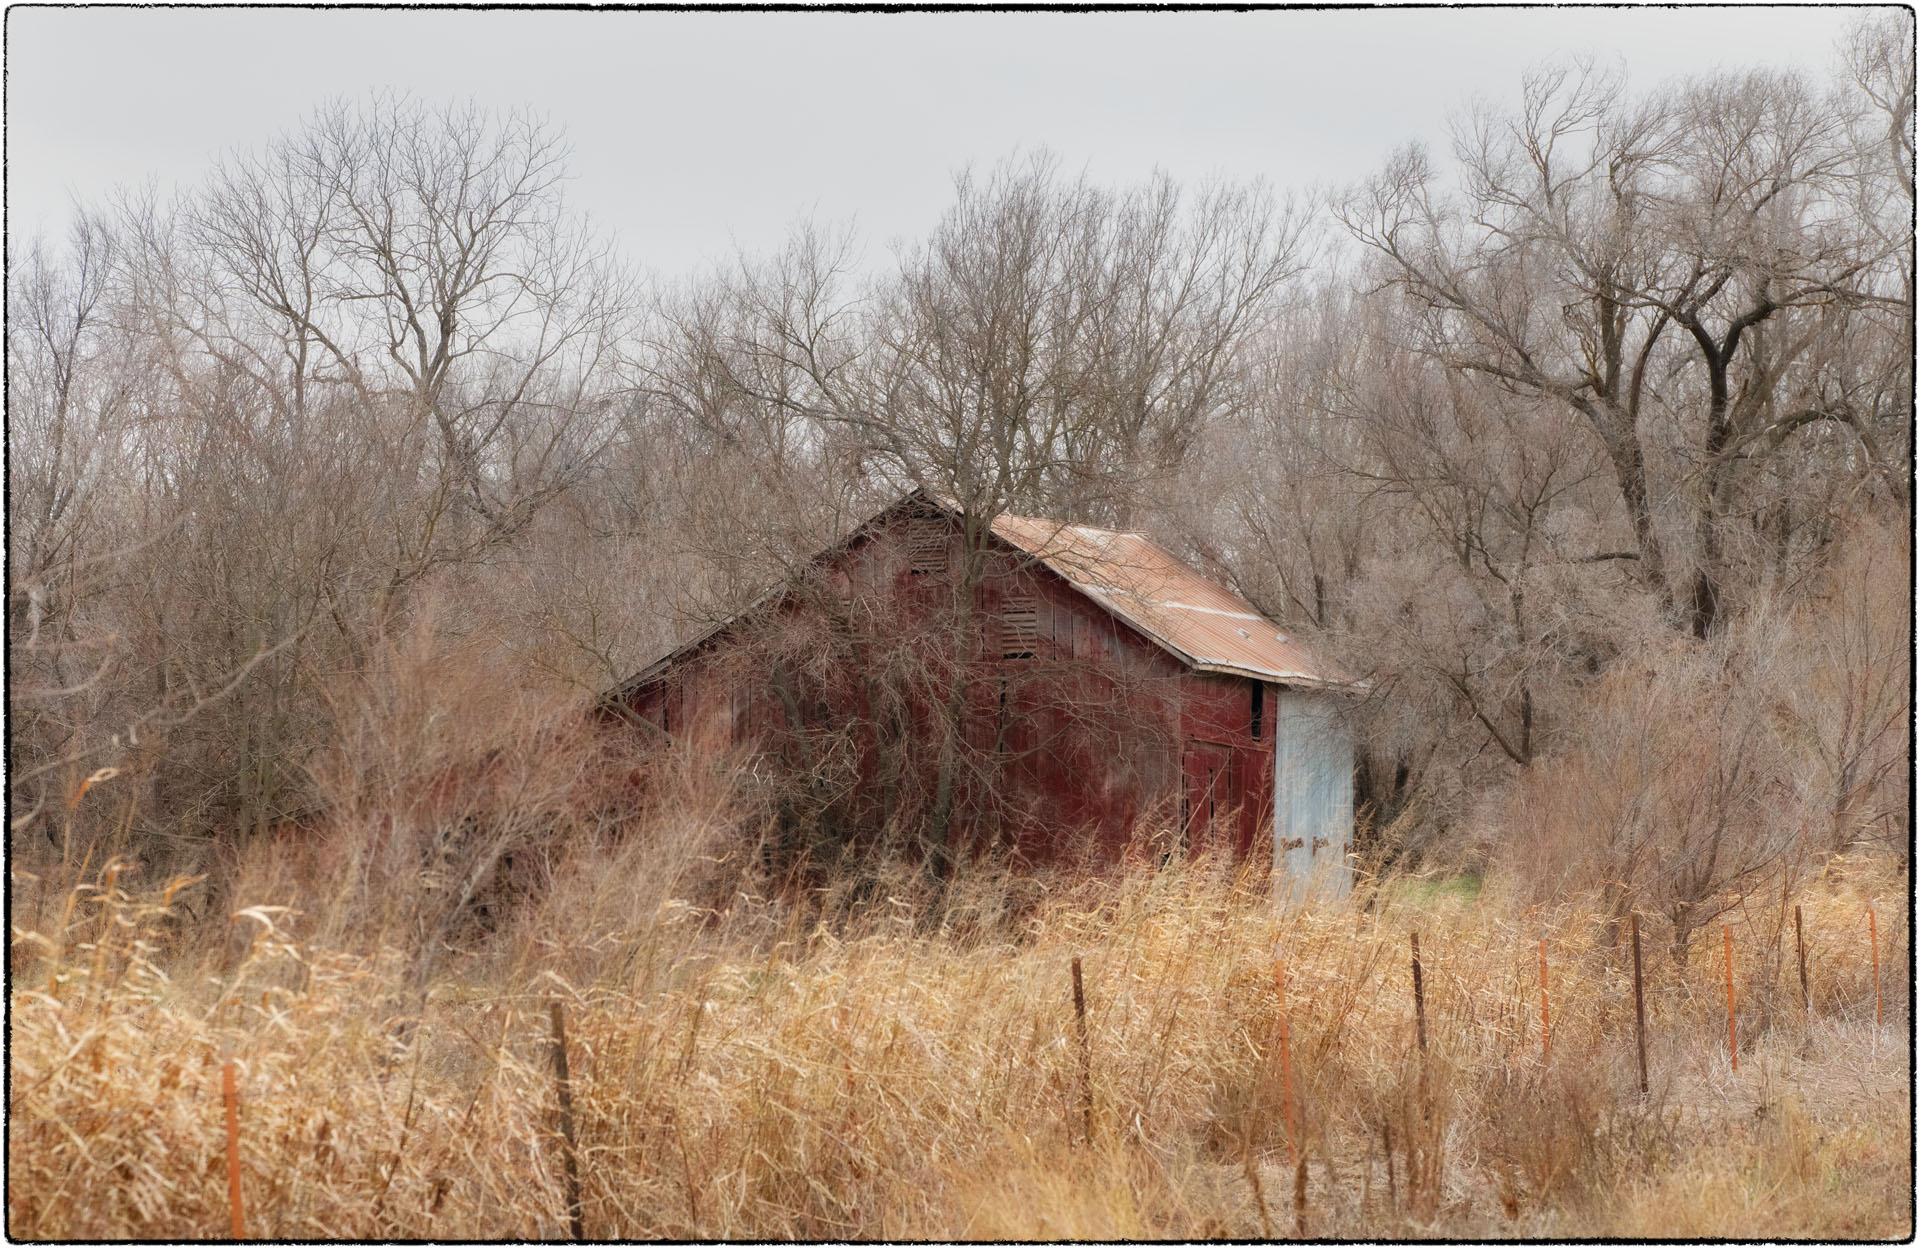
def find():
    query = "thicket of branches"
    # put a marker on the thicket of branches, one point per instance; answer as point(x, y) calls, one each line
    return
point(1588, 442)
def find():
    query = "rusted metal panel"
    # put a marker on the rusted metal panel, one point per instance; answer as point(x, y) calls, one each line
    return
point(1313, 796)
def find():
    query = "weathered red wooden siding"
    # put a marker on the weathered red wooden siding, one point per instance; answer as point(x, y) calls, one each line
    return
point(1099, 732)
point(1218, 726)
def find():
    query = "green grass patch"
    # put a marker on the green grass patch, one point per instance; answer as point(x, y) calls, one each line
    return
point(1427, 892)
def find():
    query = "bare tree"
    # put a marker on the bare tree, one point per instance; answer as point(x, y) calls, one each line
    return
point(1675, 794)
point(1850, 705)
point(1658, 266)
point(254, 420)
point(69, 400)
point(423, 261)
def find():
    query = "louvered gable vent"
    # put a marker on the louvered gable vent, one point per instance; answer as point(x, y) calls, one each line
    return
point(926, 546)
point(1019, 627)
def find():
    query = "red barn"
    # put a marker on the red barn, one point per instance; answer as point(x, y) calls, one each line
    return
point(1056, 690)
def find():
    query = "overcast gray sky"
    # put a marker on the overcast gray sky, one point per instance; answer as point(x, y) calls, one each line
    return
point(693, 131)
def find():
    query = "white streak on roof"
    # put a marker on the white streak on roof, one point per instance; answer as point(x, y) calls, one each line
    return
point(1211, 611)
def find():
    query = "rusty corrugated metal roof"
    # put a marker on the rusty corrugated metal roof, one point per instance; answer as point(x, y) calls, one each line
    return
point(1201, 622)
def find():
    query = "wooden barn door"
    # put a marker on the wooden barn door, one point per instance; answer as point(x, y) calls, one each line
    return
point(1253, 799)
point(1209, 789)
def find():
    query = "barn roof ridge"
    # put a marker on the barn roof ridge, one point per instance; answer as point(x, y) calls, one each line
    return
point(1119, 582)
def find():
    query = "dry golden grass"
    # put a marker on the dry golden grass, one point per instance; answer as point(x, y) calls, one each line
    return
point(753, 1073)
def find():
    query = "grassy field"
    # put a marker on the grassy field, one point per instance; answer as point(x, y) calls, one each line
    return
point(751, 1072)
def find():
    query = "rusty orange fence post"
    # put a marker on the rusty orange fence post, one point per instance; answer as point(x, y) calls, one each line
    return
point(1546, 1025)
point(1873, 940)
point(229, 1088)
point(1286, 1058)
point(1733, 1040)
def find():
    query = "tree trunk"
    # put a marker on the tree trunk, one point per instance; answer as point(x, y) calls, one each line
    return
point(953, 712)
point(1622, 441)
